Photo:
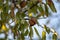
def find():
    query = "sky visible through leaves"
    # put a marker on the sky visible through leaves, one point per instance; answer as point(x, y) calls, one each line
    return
point(54, 23)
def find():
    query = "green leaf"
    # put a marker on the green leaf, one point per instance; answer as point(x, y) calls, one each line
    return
point(1, 2)
point(29, 4)
point(31, 33)
point(43, 35)
point(54, 36)
point(26, 24)
point(3, 39)
point(38, 23)
point(37, 33)
point(47, 29)
point(6, 8)
point(41, 10)
point(22, 15)
point(51, 5)
point(33, 10)
point(22, 27)
point(26, 32)
point(0, 24)
point(22, 36)
point(46, 10)
point(18, 15)
point(4, 17)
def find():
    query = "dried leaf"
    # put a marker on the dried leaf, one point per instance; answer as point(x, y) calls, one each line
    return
point(32, 21)
point(12, 10)
point(23, 4)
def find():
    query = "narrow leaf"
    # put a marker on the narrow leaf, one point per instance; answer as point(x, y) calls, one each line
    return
point(22, 36)
point(51, 5)
point(43, 35)
point(26, 32)
point(54, 36)
point(31, 33)
point(46, 10)
point(41, 10)
point(47, 29)
point(37, 33)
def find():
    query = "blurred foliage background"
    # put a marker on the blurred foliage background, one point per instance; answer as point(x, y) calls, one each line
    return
point(25, 14)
